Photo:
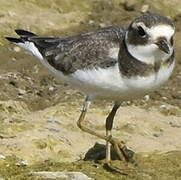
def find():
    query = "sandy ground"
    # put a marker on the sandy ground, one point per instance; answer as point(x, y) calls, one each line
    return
point(52, 133)
point(38, 113)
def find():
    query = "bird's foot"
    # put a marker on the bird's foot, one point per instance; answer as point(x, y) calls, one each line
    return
point(122, 150)
point(128, 154)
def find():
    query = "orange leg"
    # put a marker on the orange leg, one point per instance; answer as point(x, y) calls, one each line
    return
point(119, 146)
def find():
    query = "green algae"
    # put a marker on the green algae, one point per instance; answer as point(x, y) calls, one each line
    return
point(155, 166)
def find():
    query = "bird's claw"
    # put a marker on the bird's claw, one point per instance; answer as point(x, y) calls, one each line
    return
point(122, 150)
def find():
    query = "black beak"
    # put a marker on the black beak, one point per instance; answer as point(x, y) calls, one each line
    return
point(163, 45)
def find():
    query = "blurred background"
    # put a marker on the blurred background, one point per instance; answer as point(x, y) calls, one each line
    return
point(38, 113)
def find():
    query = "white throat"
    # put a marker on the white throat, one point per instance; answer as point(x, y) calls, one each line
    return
point(149, 53)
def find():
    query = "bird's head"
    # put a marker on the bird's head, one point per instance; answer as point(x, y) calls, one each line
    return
point(150, 38)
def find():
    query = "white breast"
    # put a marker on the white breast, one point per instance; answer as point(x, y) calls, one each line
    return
point(151, 82)
point(109, 83)
point(99, 81)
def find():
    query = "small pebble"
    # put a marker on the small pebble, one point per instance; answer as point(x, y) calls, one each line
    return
point(163, 106)
point(146, 98)
point(102, 25)
point(52, 120)
point(145, 8)
point(22, 163)
point(54, 129)
point(156, 135)
point(62, 175)
point(129, 5)
point(174, 125)
point(14, 59)
point(2, 156)
point(17, 49)
point(91, 22)
point(164, 98)
point(51, 88)
point(21, 91)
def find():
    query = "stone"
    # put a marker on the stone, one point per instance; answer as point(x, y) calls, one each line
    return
point(146, 98)
point(2, 156)
point(22, 163)
point(145, 8)
point(65, 175)
point(129, 5)
point(174, 124)
point(17, 49)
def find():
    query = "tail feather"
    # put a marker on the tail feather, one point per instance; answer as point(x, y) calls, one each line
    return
point(25, 41)
point(24, 33)
point(14, 40)
point(37, 45)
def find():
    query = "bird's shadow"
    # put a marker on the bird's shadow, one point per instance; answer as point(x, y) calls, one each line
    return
point(98, 152)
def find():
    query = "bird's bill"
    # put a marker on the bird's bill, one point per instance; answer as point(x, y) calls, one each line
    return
point(163, 45)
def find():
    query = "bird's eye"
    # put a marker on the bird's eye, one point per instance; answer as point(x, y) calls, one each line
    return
point(141, 31)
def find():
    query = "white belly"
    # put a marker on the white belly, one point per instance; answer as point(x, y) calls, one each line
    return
point(110, 84)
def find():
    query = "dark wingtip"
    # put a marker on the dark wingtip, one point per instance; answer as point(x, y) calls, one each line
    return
point(14, 40)
point(22, 32)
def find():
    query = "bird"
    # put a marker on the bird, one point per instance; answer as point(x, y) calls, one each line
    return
point(115, 63)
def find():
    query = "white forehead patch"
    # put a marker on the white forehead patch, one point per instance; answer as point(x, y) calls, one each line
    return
point(161, 31)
